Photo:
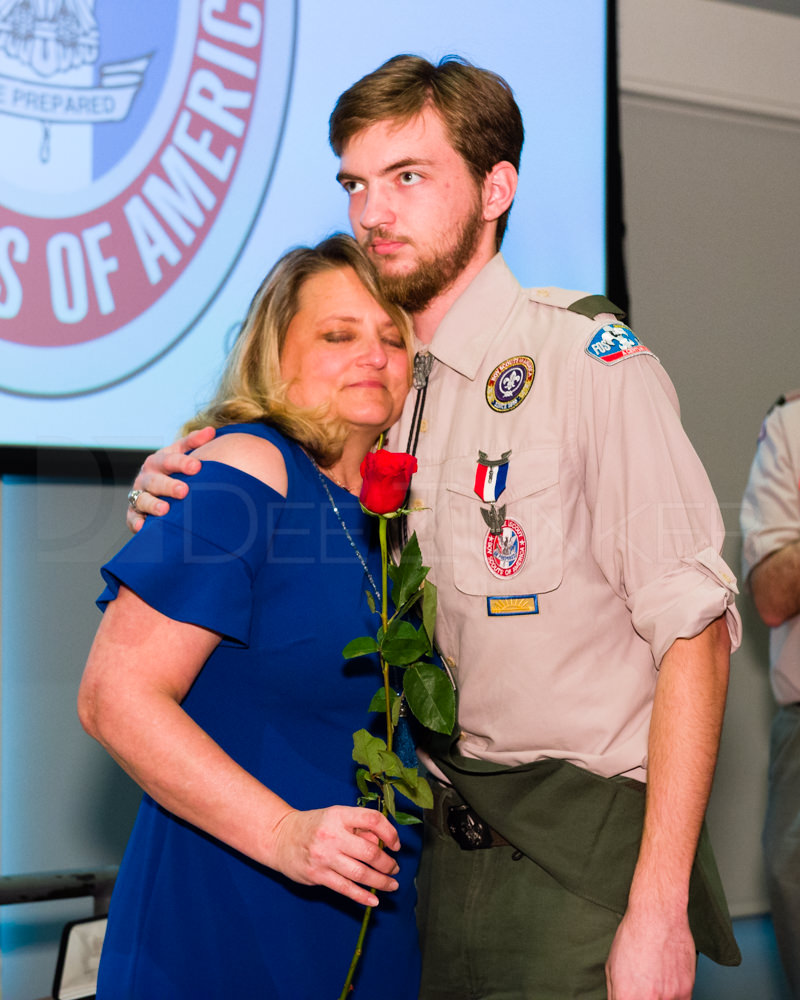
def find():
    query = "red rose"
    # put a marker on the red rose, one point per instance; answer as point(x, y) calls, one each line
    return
point(386, 476)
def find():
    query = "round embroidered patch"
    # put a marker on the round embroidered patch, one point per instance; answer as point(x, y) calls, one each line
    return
point(505, 553)
point(510, 383)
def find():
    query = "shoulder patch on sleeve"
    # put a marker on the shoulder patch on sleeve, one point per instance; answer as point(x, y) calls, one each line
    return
point(789, 397)
point(595, 305)
point(614, 342)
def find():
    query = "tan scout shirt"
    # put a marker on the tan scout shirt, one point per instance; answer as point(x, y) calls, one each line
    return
point(770, 521)
point(609, 550)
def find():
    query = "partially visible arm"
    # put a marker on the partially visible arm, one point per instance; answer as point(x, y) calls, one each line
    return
point(154, 478)
point(770, 517)
point(775, 585)
point(140, 668)
point(653, 954)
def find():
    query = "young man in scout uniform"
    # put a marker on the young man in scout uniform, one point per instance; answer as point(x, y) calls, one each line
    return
point(771, 567)
point(585, 614)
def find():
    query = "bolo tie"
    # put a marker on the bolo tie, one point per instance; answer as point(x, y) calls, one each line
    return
point(423, 362)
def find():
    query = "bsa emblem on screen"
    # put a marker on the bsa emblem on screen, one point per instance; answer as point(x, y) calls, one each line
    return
point(138, 144)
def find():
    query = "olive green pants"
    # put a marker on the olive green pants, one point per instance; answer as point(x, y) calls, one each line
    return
point(495, 926)
point(781, 839)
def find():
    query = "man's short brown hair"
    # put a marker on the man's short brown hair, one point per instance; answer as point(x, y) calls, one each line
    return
point(477, 107)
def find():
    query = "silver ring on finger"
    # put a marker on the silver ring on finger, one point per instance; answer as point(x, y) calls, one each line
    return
point(133, 496)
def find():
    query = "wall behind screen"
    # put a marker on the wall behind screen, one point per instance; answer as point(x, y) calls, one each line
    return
point(279, 192)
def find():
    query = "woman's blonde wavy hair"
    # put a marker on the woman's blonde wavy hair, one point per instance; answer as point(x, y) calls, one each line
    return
point(251, 388)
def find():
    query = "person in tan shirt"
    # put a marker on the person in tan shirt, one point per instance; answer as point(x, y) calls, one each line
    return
point(771, 568)
point(586, 616)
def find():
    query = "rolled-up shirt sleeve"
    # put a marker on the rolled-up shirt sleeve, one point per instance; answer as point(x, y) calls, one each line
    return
point(657, 532)
point(770, 516)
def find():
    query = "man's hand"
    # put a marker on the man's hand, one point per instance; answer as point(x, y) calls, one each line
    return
point(652, 958)
point(154, 479)
point(653, 953)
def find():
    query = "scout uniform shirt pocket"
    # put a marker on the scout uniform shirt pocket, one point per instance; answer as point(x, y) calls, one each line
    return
point(511, 544)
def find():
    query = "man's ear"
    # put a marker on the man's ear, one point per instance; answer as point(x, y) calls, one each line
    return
point(499, 188)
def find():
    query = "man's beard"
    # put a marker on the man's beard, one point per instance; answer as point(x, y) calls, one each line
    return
point(434, 274)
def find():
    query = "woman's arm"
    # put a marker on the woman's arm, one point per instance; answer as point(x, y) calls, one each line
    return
point(140, 668)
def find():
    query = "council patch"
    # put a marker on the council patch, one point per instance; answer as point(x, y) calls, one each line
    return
point(615, 342)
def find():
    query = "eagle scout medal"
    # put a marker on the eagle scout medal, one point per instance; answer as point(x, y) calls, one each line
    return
point(505, 551)
point(494, 518)
point(510, 383)
point(490, 481)
point(614, 342)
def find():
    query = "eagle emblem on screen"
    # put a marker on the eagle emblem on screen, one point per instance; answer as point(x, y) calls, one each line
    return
point(138, 144)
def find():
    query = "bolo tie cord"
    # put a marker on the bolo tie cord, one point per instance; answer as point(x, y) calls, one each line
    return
point(423, 362)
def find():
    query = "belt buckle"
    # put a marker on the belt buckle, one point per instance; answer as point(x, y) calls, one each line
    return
point(468, 830)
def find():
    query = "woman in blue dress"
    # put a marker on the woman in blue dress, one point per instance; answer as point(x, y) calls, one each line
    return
point(216, 677)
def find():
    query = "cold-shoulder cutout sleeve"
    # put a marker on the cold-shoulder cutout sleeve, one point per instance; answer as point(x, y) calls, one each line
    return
point(197, 563)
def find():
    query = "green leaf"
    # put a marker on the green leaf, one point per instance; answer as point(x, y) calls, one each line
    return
point(361, 781)
point(399, 631)
point(430, 696)
point(367, 750)
point(370, 601)
point(403, 644)
point(430, 602)
point(403, 610)
point(378, 703)
point(415, 788)
point(390, 764)
point(405, 819)
point(409, 573)
point(388, 798)
point(362, 646)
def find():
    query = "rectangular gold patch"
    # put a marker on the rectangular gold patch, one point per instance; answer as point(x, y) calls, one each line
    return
point(521, 604)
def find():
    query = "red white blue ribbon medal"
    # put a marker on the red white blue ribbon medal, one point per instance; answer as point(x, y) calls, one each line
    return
point(505, 545)
point(490, 482)
point(490, 479)
point(510, 383)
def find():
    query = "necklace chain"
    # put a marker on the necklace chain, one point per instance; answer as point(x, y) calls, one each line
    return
point(338, 482)
point(341, 520)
